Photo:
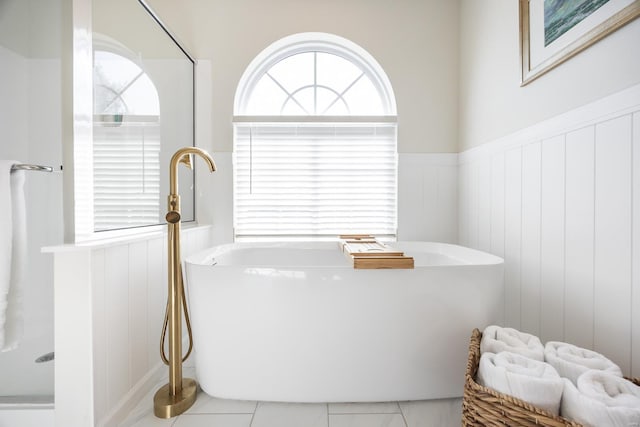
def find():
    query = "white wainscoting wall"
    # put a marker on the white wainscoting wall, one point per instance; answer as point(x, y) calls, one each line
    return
point(428, 197)
point(110, 299)
point(560, 201)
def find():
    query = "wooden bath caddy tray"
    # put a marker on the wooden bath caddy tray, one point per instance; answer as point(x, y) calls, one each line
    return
point(367, 253)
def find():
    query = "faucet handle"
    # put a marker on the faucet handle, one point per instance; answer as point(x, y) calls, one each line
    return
point(187, 160)
point(172, 217)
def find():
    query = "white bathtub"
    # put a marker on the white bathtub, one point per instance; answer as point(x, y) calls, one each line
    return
point(294, 322)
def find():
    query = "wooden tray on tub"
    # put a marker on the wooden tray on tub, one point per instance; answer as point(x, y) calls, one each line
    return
point(368, 253)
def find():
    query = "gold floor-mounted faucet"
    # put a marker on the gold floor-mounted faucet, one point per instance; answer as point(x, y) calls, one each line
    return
point(179, 394)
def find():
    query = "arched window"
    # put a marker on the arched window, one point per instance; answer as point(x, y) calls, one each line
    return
point(314, 142)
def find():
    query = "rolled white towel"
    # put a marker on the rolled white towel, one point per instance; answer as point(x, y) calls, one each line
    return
point(496, 339)
point(571, 361)
point(527, 379)
point(601, 399)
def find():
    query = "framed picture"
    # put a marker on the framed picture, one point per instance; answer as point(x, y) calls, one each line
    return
point(552, 31)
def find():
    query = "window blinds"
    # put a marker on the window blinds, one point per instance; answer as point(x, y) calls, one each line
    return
point(126, 165)
point(314, 180)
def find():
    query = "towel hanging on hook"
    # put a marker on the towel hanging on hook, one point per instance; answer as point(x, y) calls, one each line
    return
point(13, 255)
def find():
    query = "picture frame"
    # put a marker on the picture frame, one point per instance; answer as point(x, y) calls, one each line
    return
point(540, 52)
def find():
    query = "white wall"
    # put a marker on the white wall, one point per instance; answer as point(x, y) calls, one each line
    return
point(225, 36)
point(560, 201)
point(428, 197)
point(492, 103)
point(549, 180)
point(422, 64)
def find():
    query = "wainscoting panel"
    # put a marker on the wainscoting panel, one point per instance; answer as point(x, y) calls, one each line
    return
point(579, 231)
point(100, 350)
point(484, 206)
point(552, 245)
point(496, 195)
point(513, 236)
point(138, 307)
point(635, 250)
point(530, 255)
point(156, 296)
point(612, 267)
point(465, 210)
point(564, 199)
point(123, 289)
point(427, 197)
point(116, 304)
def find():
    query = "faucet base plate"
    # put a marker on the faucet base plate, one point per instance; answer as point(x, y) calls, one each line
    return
point(167, 406)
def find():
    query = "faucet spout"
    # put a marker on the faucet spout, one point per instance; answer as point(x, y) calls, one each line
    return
point(184, 155)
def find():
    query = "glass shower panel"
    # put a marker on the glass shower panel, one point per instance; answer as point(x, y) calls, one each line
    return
point(30, 132)
point(143, 112)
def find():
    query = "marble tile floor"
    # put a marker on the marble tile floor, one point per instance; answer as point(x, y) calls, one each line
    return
point(213, 412)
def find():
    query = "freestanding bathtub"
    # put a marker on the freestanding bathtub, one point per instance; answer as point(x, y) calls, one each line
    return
point(294, 322)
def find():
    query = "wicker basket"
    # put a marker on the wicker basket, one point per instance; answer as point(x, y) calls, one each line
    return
point(483, 406)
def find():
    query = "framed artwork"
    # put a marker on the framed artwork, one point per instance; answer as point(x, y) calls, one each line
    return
point(552, 31)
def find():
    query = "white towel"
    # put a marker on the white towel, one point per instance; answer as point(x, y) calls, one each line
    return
point(496, 339)
point(571, 361)
point(12, 254)
point(527, 379)
point(601, 399)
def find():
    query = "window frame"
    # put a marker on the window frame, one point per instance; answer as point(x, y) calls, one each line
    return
point(309, 42)
point(303, 43)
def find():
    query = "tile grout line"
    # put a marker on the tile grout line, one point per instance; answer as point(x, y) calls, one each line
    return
point(218, 413)
point(404, 418)
point(253, 415)
point(364, 413)
point(328, 415)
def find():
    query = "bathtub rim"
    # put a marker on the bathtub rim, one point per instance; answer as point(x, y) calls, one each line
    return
point(466, 257)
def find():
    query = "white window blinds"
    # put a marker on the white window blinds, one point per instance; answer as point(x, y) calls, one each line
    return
point(314, 179)
point(126, 181)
